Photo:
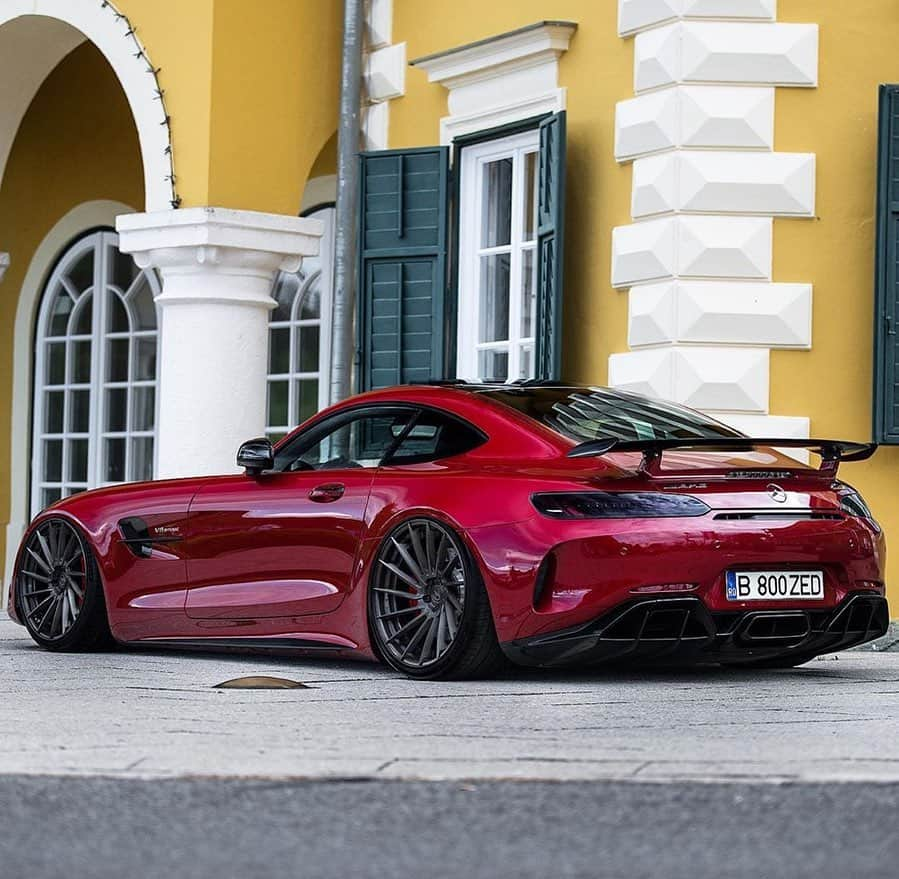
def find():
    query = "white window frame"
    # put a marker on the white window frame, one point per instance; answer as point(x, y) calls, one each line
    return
point(471, 212)
point(327, 215)
point(100, 289)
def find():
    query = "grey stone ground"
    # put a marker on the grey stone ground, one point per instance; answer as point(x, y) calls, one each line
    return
point(155, 715)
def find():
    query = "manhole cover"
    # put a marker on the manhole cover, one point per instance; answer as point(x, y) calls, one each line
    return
point(260, 682)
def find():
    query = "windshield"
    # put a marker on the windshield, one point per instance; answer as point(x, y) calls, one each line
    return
point(598, 413)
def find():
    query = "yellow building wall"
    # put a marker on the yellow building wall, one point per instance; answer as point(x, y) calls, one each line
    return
point(837, 121)
point(76, 143)
point(275, 96)
point(252, 91)
point(597, 71)
point(177, 35)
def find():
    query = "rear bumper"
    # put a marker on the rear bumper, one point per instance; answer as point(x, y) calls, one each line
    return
point(686, 630)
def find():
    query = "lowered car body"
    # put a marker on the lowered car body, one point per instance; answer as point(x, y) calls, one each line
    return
point(443, 528)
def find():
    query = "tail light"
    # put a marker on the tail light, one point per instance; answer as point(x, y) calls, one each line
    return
point(616, 505)
point(853, 504)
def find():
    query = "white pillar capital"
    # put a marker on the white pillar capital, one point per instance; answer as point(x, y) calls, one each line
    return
point(218, 268)
point(218, 254)
point(4, 264)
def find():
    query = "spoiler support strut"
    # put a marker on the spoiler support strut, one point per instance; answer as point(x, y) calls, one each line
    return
point(832, 452)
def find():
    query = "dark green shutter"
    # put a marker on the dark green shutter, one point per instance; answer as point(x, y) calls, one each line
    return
point(886, 349)
point(550, 248)
point(403, 259)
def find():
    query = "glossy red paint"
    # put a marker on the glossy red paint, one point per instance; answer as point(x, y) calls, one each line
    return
point(276, 555)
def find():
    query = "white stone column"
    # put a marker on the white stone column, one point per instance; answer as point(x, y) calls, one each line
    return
point(4, 264)
point(217, 267)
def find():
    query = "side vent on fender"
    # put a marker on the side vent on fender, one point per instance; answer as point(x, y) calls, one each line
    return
point(136, 535)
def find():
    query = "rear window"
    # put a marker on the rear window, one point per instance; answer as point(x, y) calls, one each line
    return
point(598, 413)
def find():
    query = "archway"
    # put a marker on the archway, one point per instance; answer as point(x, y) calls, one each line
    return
point(35, 35)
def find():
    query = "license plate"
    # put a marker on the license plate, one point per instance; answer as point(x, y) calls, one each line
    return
point(774, 585)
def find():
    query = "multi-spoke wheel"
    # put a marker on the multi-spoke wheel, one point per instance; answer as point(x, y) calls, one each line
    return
point(428, 610)
point(58, 591)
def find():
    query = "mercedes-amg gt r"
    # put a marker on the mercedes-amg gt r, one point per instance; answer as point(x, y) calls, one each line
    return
point(448, 529)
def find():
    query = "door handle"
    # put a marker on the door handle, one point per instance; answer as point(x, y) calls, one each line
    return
point(331, 491)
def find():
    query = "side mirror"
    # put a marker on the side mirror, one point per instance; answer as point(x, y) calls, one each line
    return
point(255, 456)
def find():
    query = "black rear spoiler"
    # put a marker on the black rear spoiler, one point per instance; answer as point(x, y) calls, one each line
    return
point(832, 452)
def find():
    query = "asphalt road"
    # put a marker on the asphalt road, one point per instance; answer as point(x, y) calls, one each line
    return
point(98, 828)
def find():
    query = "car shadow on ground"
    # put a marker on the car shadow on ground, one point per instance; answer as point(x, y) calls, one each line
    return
point(298, 667)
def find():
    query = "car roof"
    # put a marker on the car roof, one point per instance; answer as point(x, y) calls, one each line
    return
point(509, 430)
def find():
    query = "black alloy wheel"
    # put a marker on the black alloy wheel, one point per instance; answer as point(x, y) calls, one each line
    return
point(429, 614)
point(58, 592)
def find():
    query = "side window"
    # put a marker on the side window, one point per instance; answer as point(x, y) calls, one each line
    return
point(435, 436)
point(345, 441)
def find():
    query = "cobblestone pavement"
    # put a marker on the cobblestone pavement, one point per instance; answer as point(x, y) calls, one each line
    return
point(154, 715)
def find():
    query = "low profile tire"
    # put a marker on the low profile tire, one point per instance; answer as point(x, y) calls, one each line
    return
point(59, 593)
point(428, 611)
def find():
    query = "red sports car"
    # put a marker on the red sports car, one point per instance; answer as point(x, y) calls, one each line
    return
point(447, 529)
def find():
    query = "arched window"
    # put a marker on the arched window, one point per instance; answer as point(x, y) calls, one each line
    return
point(95, 372)
point(299, 350)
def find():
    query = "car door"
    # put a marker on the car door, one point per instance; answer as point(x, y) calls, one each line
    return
point(284, 543)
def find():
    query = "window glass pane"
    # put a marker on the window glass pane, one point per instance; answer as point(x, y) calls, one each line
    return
point(83, 316)
point(78, 460)
point(307, 349)
point(279, 351)
point(277, 404)
point(59, 317)
point(493, 365)
point(53, 460)
point(360, 443)
point(285, 290)
point(496, 216)
point(54, 404)
point(143, 408)
point(599, 413)
point(80, 411)
point(526, 362)
point(311, 305)
point(338, 443)
point(56, 363)
point(528, 293)
point(50, 496)
point(81, 274)
point(307, 399)
point(529, 205)
point(81, 362)
point(142, 458)
point(116, 409)
point(114, 460)
point(494, 298)
point(435, 436)
point(117, 360)
point(117, 316)
point(69, 413)
point(145, 359)
point(143, 307)
point(124, 270)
